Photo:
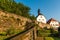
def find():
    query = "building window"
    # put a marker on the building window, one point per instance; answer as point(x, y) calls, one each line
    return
point(56, 24)
point(53, 24)
point(43, 19)
point(41, 16)
point(39, 19)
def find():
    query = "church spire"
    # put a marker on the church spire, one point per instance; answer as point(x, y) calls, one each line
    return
point(39, 12)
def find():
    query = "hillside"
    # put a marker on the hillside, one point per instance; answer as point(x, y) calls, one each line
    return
point(11, 23)
point(14, 18)
point(11, 20)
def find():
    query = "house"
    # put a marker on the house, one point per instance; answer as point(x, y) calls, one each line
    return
point(41, 18)
point(54, 23)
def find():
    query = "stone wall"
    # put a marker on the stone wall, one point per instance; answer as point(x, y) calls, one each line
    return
point(42, 25)
point(12, 20)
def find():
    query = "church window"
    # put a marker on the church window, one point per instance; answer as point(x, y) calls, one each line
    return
point(41, 16)
point(43, 19)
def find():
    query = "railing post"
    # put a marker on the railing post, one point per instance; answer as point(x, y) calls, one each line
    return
point(34, 33)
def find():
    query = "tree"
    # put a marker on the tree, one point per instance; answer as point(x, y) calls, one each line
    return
point(59, 31)
point(33, 17)
point(16, 8)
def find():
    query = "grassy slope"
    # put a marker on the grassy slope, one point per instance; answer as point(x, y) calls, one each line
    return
point(11, 24)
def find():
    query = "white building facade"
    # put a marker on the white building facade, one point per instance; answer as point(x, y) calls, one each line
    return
point(41, 18)
point(54, 23)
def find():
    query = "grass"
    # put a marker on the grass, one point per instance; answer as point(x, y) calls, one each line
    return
point(49, 38)
point(52, 38)
point(3, 37)
point(56, 38)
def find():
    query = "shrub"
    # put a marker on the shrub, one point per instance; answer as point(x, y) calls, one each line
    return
point(18, 19)
point(56, 38)
point(3, 37)
point(17, 31)
point(49, 38)
point(3, 33)
point(10, 31)
point(43, 33)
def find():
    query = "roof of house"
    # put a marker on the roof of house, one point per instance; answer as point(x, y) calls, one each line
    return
point(50, 20)
point(39, 14)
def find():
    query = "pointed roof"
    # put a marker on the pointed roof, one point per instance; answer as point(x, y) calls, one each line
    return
point(39, 12)
point(51, 20)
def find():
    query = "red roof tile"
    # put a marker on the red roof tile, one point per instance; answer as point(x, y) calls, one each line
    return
point(50, 20)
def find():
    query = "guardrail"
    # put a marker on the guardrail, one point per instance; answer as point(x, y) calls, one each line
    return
point(29, 34)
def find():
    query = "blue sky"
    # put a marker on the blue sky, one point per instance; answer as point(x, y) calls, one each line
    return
point(49, 8)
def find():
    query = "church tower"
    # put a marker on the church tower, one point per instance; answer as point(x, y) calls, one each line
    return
point(39, 12)
point(41, 18)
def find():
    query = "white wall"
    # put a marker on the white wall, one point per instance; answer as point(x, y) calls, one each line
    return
point(41, 18)
point(54, 24)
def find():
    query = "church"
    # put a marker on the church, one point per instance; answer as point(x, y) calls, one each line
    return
point(41, 18)
point(43, 23)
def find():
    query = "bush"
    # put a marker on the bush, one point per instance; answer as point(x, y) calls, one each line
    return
point(3, 33)
point(56, 38)
point(43, 33)
point(3, 37)
point(12, 30)
point(49, 38)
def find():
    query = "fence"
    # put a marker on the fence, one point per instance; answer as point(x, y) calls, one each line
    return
point(29, 34)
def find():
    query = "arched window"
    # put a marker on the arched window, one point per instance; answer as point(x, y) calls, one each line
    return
point(41, 16)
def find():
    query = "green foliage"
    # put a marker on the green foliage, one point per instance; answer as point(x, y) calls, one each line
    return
point(58, 29)
point(3, 33)
point(17, 31)
point(43, 33)
point(49, 38)
point(29, 24)
point(53, 31)
point(33, 17)
point(3, 37)
point(18, 19)
point(47, 32)
point(56, 38)
point(16, 8)
point(10, 31)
